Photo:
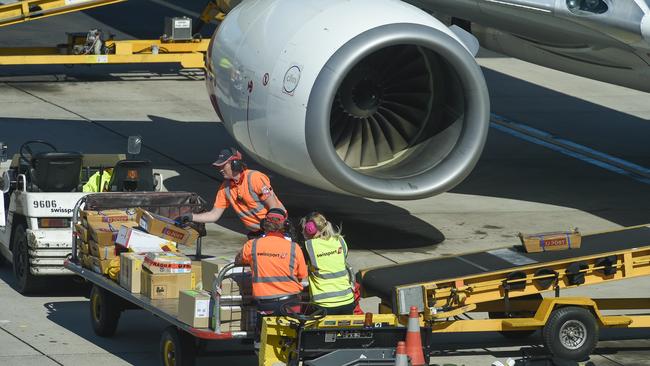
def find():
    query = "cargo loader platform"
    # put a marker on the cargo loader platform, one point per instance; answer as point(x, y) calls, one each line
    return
point(445, 284)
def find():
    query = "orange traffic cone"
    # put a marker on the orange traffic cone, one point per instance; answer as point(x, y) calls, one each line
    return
point(401, 359)
point(413, 338)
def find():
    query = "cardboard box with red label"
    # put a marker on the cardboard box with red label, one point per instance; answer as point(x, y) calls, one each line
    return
point(166, 228)
point(167, 262)
point(543, 242)
point(89, 217)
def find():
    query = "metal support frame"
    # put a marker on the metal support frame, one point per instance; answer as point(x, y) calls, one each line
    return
point(188, 54)
point(504, 285)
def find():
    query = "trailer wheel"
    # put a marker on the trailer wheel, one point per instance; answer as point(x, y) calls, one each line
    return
point(104, 311)
point(26, 282)
point(571, 333)
point(177, 348)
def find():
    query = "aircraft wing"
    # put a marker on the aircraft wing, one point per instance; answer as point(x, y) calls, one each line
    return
point(601, 39)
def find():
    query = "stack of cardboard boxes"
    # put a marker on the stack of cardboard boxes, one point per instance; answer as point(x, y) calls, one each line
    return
point(159, 271)
point(235, 290)
point(97, 234)
point(138, 249)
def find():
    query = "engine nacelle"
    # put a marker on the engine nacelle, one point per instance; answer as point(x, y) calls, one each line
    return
point(368, 97)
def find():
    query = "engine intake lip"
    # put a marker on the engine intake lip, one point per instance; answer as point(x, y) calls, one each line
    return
point(448, 172)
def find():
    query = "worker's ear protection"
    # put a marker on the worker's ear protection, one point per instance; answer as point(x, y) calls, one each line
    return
point(310, 228)
point(236, 163)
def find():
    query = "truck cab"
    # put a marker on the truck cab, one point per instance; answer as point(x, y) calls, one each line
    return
point(40, 190)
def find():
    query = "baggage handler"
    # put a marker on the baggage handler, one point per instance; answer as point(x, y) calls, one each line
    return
point(277, 266)
point(330, 284)
point(247, 191)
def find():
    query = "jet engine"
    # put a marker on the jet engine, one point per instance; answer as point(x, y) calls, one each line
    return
point(374, 98)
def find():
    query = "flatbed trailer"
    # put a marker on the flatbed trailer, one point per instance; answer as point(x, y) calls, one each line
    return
point(180, 342)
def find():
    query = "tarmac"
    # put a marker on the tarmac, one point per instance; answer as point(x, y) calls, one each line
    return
point(519, 185)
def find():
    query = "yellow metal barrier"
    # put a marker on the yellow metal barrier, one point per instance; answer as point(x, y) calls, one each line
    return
point(188, 54)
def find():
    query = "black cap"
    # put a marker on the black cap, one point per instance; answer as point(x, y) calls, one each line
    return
point(227, 155)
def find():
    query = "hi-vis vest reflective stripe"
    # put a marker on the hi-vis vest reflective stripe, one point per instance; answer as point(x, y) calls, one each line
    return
point(249, 213)
point(329, 281)
point(275, 286)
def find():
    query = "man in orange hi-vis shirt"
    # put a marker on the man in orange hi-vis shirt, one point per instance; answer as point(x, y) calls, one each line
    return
point(248, 192)
point(277, 266)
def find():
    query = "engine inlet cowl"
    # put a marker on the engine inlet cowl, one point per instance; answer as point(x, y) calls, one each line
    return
point(403, 109)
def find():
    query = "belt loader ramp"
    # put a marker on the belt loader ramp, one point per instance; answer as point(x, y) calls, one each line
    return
point(93, 47)
point(505, 282)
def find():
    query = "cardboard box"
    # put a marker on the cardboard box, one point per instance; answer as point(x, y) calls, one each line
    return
point(233, 318)
point(131, 271)
point(166, 262)
point(140, 242)
point(237, 281)
point(101, 251)
point(197, 281)
point(164, 285)
point(230, 313)
point(166, 228)
point(209, 269)
point(194, 308)
point(82, 232)
point(107, 216)
point(543, 242)
point(105, 234)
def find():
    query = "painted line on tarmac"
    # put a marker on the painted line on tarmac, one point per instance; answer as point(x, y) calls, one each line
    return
point(570, 148)
point(176, 7)
point(30, 346)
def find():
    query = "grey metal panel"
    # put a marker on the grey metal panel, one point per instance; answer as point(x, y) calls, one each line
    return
point(351, 357)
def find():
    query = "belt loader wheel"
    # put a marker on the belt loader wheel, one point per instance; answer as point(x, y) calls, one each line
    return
point(105, 311)
point(26, 282)
point(571, 333)
point(177, 348)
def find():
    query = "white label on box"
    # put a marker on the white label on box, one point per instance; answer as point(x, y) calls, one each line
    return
point(143, 224)
point(140, 242)
point(202, 309)
point(182, 23)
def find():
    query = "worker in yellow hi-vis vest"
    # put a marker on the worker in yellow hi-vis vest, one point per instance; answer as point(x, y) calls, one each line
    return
point(330, 284)
point(99, 181)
